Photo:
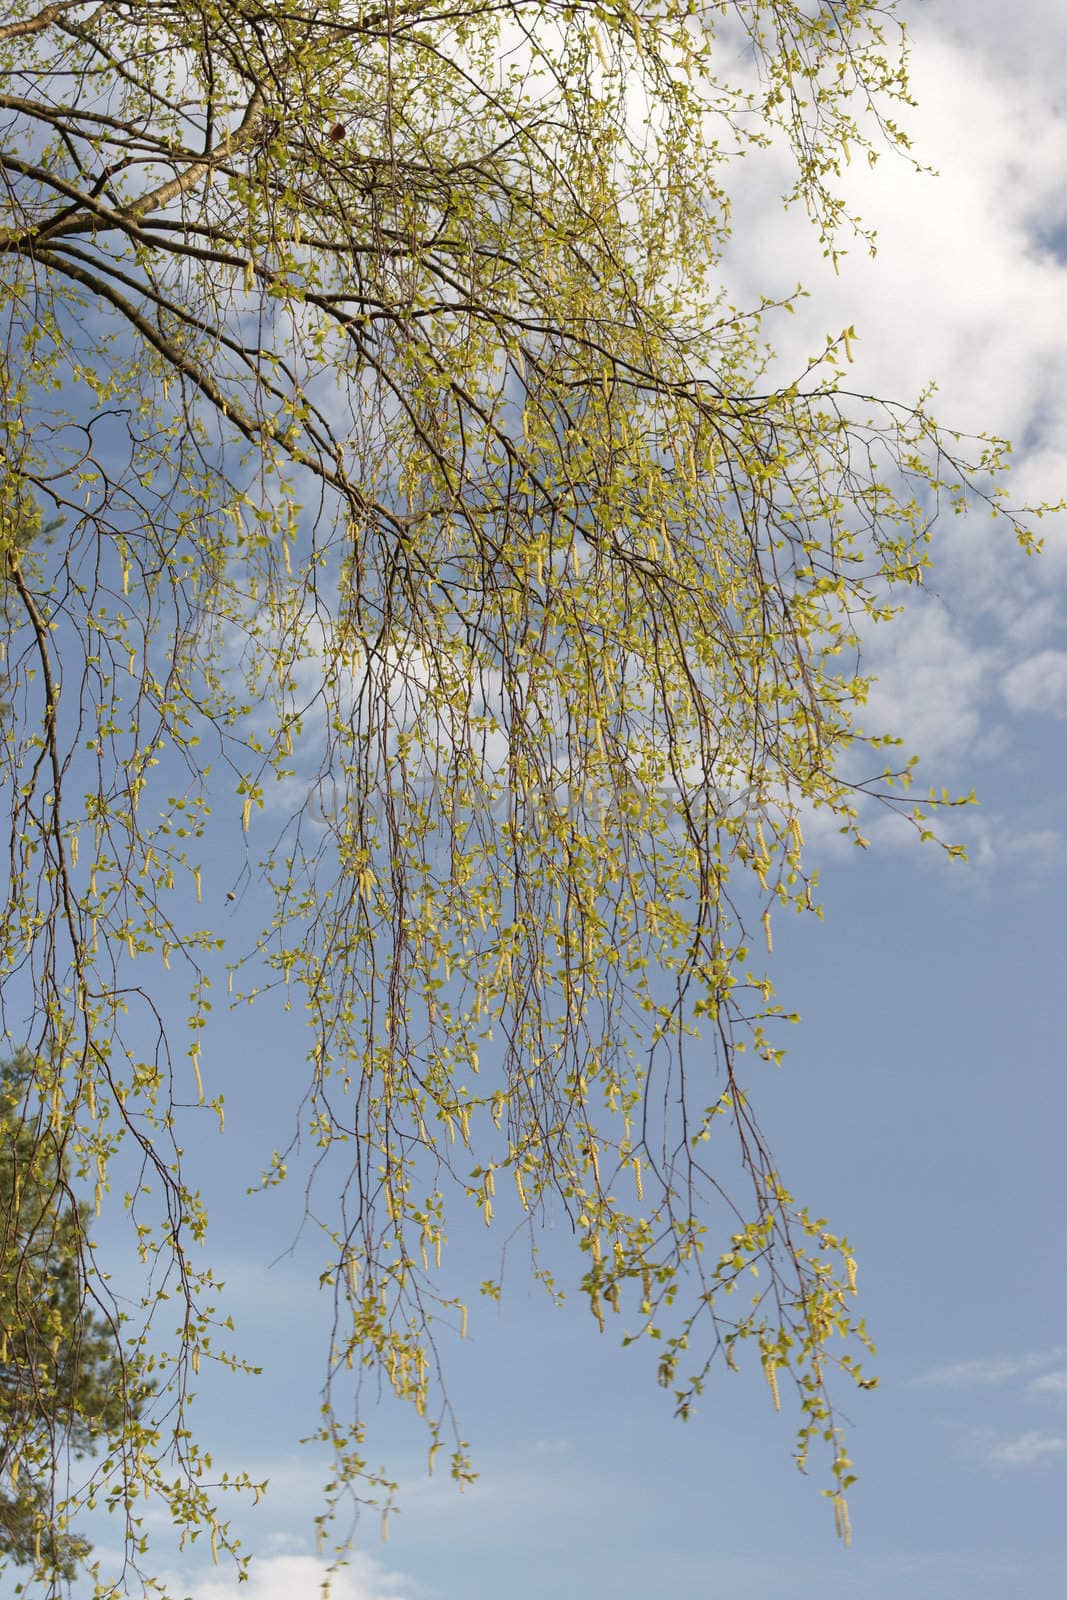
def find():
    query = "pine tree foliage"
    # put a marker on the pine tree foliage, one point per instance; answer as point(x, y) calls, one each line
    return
point(63, 1390)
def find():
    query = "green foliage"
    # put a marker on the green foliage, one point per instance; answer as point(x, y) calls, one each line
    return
point(63, 1390)
point(437, 546)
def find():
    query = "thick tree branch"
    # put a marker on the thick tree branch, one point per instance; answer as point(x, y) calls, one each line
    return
point(37, 24)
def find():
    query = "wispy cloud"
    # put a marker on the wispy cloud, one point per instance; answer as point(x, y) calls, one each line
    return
point(1051, 1384)
point(1038, 684)
point(986, 1371)
point(1041, 846)
point(1025, 1450)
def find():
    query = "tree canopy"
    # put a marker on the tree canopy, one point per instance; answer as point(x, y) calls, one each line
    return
point(438, 542)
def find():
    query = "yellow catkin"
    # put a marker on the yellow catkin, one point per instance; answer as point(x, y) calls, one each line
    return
point(841, 1518)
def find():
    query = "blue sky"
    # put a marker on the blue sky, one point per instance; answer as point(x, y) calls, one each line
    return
point(922, 1102)
point(919, 1107)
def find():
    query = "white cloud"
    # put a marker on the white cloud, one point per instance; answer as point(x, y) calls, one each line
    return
point(930, 684)
point(1038, 684)
point(967, 289)
point(299, 1577)
point(962, 290)
point(985, 1371)
point(1026, 1450)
